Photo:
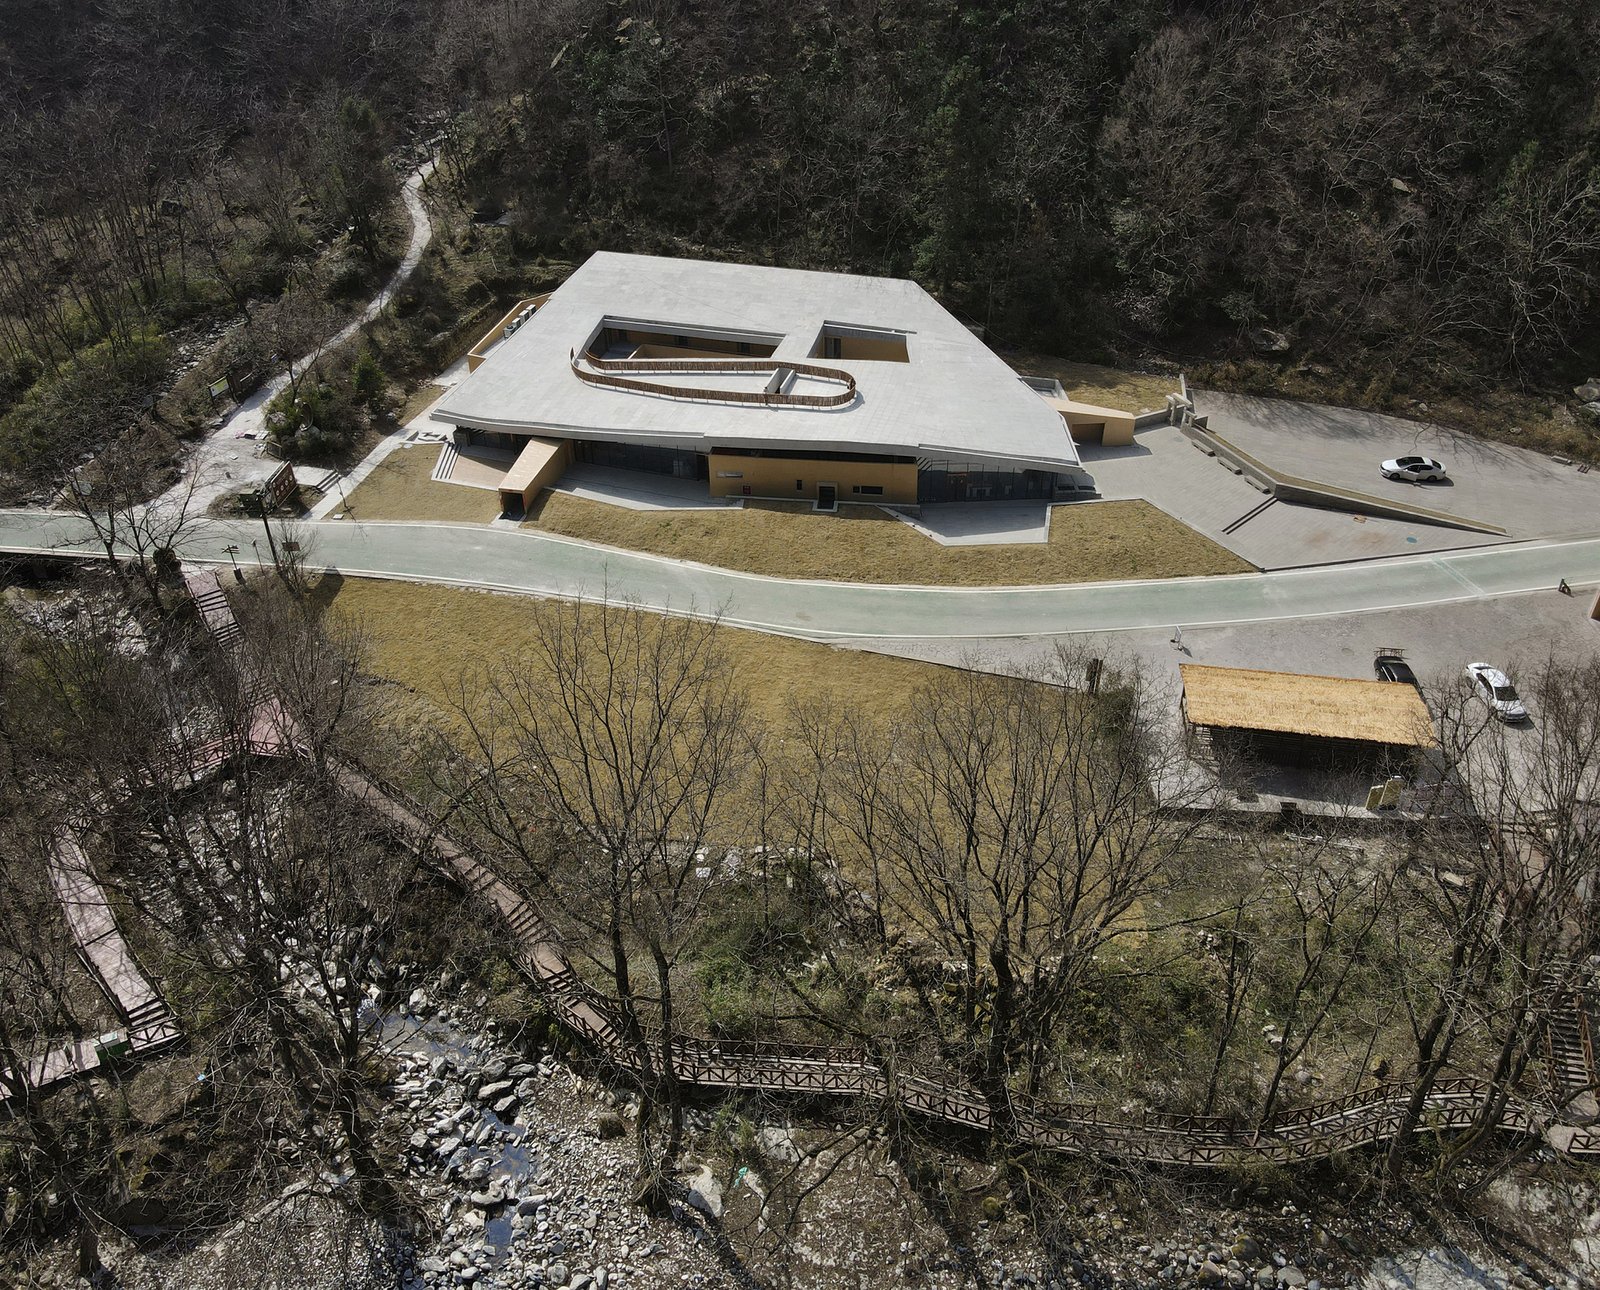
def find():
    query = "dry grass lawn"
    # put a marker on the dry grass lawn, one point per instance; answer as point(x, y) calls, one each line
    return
point(1089, 542)
point(419, 401)
point(468, 625)
point(400, 489)
point(1110, 387)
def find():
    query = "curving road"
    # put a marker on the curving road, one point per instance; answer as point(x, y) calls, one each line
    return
point(509, 559)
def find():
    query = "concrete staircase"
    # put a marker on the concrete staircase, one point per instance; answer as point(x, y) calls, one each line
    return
point(445, 465)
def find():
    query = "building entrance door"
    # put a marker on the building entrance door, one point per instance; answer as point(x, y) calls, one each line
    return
point(827, 497)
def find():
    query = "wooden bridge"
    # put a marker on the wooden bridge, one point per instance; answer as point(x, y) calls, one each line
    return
point(1306, 1133)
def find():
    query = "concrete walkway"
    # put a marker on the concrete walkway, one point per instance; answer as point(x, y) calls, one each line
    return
point(543, 564)
point(981, 523)
point(230, 458)
point(637, 490)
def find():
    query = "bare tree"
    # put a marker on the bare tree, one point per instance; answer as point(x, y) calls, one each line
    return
point(606, 757)
point(267, 887)
point(1504, 894)
point(1012, 829)
point(1329, 905)
point(135, 517)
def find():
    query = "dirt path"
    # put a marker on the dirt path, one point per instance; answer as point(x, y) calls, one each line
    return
point(226, 459)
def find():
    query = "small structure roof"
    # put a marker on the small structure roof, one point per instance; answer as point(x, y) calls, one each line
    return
point(954, 398)
point(1325, 707)
point(531, 462)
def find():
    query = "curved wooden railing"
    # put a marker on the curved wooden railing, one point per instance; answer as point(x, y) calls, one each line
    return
point(603, 369)
point(1305, 1133)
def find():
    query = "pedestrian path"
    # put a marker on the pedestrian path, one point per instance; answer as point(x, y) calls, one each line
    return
point(1319, 1131)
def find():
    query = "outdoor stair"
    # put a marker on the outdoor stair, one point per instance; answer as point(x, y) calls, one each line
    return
point(1566, 1054)
point(445, 464)
point(323, 481)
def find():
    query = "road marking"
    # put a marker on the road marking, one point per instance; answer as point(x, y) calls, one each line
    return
point(1451, 571)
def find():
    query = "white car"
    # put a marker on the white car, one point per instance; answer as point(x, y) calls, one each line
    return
point(1414, 469)
point(1494, 687)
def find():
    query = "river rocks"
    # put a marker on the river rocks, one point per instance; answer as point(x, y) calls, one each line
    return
point(556, 1274)
point(705, 1192)
point(778, 1144)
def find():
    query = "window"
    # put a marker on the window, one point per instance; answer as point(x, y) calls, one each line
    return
point(682, 342)
point(867, 490)
point(799, 484)
point(849, 342)
point(744, 349)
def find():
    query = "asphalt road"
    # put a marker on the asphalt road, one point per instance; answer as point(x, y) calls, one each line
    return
point(509, 559)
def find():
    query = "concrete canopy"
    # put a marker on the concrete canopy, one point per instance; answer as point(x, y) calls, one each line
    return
point(951, 399)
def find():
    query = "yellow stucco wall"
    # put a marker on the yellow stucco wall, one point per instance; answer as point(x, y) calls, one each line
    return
point(540, 464)
point(861, 349)
point(775, 477)
point(1090, 424)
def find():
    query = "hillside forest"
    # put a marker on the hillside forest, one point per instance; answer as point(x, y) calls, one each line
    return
point(1388, 201)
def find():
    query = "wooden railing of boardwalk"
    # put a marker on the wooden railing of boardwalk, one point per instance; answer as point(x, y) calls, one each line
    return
point(1312, 1132)
point(1306, 1133)
point(601, 371)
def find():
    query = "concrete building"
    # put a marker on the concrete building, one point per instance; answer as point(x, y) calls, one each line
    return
point(766, 383)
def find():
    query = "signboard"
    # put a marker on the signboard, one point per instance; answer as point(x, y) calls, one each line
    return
point(281, 487)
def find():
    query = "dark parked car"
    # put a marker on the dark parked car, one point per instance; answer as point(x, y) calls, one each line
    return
point(1391, 665)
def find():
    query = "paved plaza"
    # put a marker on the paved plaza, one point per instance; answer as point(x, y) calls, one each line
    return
point(1526, 493)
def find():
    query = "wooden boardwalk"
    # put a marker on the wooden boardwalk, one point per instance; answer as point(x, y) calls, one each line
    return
point(1307, 1133)
point(103, 949)
point(148, 1023)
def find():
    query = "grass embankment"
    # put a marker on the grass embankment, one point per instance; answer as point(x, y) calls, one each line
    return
point(1088, 543)
point(464, 626)
point(1110, 387)
point(401, 487)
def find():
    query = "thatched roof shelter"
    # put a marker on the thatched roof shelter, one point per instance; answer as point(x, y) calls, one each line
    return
point(1322, 707)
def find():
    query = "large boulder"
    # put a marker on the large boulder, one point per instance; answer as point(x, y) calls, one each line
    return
point(705, 1192)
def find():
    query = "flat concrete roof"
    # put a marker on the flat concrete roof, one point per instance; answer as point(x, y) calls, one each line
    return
point(954, 399)
point(1327, 707)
